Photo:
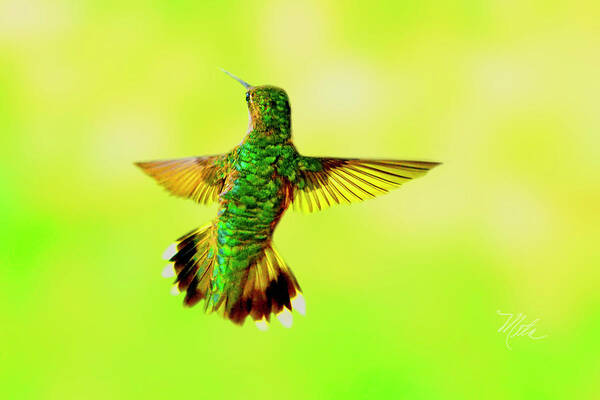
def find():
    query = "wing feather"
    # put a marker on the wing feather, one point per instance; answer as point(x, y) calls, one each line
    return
point(325, 182)
point(198, 178)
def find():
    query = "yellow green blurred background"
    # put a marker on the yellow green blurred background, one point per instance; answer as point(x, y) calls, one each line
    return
point(402, 292)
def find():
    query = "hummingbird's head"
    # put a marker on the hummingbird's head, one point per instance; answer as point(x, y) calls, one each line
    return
point(268, 109)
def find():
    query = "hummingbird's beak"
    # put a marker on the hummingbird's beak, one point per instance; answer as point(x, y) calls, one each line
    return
point(246, 85)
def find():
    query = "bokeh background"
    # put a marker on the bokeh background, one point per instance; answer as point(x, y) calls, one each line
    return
point(402, 292)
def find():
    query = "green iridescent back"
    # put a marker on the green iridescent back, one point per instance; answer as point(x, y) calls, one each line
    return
point(254, 197)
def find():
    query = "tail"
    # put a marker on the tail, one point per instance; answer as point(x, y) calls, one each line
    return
point(266, 287)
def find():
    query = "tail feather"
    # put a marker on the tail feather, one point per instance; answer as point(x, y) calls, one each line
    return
point(269, 287)
point(266, 287)
point(193, 263)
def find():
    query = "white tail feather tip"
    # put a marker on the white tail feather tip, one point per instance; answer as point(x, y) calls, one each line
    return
point(298, 304)
point(285, 317)
point(170, 252)
point(262, 324)
point(175, 290)
point(168, 271)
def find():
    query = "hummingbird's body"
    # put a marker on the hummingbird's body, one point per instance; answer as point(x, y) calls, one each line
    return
point(254, 199)
point(230, 262)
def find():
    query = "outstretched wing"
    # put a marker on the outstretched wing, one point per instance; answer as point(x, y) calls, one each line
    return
point(324, 182)
point(198, 178)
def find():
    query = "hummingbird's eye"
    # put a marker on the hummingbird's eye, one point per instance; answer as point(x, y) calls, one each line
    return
point(247, 96)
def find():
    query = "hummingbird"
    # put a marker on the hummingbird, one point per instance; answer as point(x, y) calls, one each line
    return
point(231, 263)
